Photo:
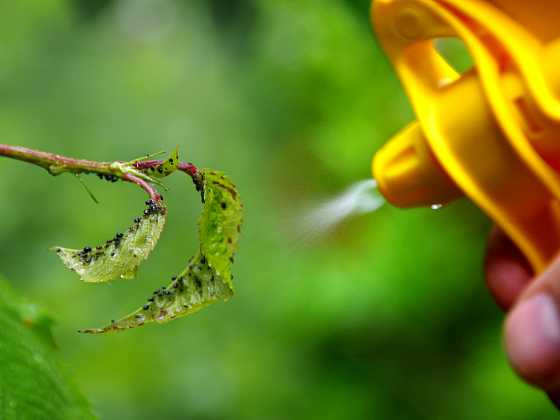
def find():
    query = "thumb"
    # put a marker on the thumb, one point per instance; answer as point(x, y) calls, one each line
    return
point(532, 331)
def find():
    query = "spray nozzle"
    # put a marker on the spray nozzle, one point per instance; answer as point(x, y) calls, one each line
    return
point(408, 173)
point(491, 133)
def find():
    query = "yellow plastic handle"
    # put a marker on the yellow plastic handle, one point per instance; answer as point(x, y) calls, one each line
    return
point(492, 133)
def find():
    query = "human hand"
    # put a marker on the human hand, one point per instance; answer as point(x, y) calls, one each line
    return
point(532, 326)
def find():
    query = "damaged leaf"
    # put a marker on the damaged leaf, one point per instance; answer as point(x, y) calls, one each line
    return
point(167, 167)
point(207, 277)
point(193, 289)
point(120, 256)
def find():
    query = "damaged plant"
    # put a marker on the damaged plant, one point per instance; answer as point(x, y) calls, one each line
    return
point(207, 277)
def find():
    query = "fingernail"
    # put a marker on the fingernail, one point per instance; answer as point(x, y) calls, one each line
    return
point(533, 339)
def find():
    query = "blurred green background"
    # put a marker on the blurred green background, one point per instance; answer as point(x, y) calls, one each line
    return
point(385, 318)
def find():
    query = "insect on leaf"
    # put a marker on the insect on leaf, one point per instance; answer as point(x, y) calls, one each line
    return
point(118, 257)
point(207, 277)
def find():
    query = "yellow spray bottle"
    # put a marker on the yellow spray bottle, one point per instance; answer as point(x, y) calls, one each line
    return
point(491, 133)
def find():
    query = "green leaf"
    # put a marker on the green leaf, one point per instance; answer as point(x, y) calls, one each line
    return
point(207, 278)
point(118, 257)
point(220, 223)
point(167, 167)
point(32, 383)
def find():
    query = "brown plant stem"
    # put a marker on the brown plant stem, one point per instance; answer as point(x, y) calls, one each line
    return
point(151, 191)
point(56, 164)
point(186, 167)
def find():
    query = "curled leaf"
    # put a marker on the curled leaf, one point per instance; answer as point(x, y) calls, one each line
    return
point(219, 225)
point(196, 287)
point(118, 257)
point(207, 277)
point(167, 167)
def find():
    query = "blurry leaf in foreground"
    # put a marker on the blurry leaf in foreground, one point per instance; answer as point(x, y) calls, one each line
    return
point(32, 383)
point(207, 277)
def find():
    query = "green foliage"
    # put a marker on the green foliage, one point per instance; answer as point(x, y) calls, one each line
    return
point(193, 289)
point(167, 167)
point(120, 256)
point(207, 278)
point(219, 225)
point(33, 386)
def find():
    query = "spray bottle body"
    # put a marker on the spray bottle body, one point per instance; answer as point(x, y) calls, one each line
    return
point(492, 133)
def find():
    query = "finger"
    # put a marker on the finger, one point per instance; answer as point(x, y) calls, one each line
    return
point(507, 271)
point(532, 331)
point(554, 397)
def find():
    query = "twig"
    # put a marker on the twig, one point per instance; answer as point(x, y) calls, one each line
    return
point(185, 167)
point(151, 191)
point(57, 164)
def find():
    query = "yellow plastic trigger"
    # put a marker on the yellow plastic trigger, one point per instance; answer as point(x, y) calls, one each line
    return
point(491, 133)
